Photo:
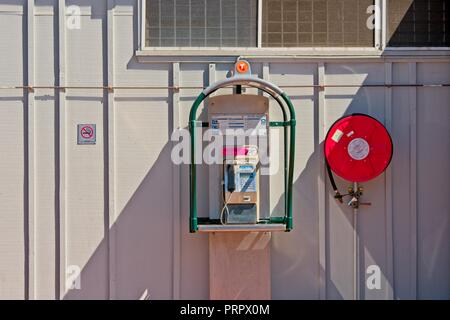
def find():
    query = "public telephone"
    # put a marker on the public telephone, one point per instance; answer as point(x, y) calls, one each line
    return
point(242, 123)
point(238, 193)
point(240, 186)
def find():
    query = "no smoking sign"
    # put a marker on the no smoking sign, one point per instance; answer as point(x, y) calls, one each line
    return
point(86, 134)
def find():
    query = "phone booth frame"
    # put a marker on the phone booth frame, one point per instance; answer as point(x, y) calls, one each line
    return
point(284, 223)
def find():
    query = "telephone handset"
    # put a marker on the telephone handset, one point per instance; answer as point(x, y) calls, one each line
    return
point(231, 185)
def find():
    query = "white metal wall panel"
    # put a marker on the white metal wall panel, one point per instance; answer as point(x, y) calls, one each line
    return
point(119, 209)
point(433, 172)
point(371, 220)
point(45, 149)
point(194, 248)
point(143, 178)
point(404, 249)
point(86, 244)
point(13, 202)
point(293, 268)
point(143, 174)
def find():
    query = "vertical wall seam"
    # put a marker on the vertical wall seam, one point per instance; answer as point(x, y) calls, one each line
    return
point(266, 76)
point(413, 183)
point(109, 138)
point(321, 187)
point(265, 73)
point(378, 22)
point(384, 30)
point(29, 117)
point(61, 225)
point(390, 283)
point(212, 196)
point(259, 13)
point(211, 80)
point(141, 24)
point(266, 187)
point(176, 189)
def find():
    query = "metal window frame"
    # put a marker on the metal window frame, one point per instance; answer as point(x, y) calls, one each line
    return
point(385, 40)
point(259, 50)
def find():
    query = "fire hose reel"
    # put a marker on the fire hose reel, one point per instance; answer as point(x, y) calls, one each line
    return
point(358, 148)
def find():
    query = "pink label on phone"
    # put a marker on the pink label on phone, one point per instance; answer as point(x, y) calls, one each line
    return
point(235, 151)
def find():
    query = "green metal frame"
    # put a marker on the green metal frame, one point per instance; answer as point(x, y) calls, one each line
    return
point(276, 93)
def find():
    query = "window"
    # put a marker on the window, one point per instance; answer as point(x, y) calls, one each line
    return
point(296, 23)
point(317, 23)
point(419, 23)
point(201, 23)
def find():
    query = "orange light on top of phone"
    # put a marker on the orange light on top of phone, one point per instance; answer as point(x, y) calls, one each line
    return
point(242, 66)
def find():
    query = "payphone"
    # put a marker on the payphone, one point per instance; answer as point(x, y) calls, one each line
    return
point(241, 187)
point(238, 200)
point(241, 121)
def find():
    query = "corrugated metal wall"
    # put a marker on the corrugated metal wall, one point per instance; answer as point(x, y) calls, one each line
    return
point(119, 209)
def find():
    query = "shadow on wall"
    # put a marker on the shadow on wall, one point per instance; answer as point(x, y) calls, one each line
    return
point(303, 259)
point(136, 252)
point(336, 273)
point(141, 241)
point(140, 244)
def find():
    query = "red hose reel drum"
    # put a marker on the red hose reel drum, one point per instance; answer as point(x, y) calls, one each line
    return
point(358, 148)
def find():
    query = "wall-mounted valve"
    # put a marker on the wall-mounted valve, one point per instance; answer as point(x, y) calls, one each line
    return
point(355, 196)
